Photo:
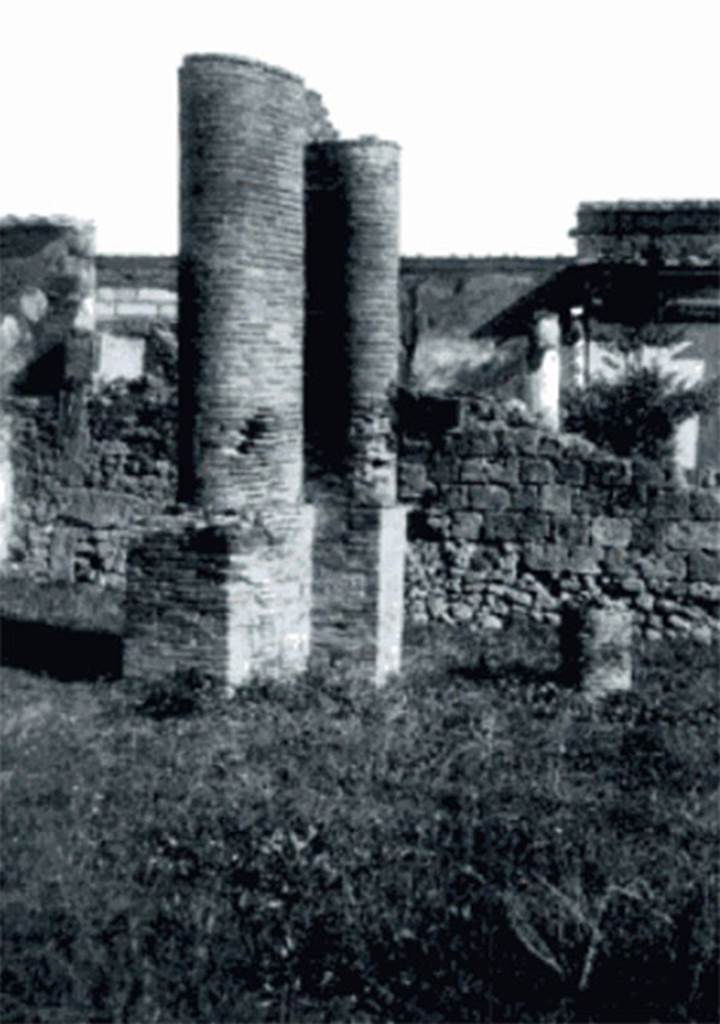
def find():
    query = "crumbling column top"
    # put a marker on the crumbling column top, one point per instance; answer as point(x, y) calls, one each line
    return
point(247, 62)
point(360, 142)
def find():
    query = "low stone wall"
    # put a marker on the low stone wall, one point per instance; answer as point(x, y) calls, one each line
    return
point(509, 520)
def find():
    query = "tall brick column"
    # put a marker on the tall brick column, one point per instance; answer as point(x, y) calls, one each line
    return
point(225, 587)
point(352, 353)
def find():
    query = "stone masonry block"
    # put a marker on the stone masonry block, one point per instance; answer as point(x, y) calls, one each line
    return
point(413, 478)
point(589, 501)
point(611, 532)
point(704, 566)
point(684, 536)
point(535, 525)
point(584, 560)
point(480, 441)
point(609, 473)
point(668, 566)
point(455, 496)
point(536, 471)
point(466, 525)
point(504, 526)
point(570, 471)
point(526, 498)
point(668, 504)
point(525, 440)
point(628, 498)
point(493, 471)
point(705, 504)
point(570, 529)
point(556, 498)
point(644, 472)
point(489, 497)
point(545, 557)
point(230, 599)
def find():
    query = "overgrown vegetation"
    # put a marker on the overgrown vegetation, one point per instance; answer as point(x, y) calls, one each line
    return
point(638, 413)
point(474, 843)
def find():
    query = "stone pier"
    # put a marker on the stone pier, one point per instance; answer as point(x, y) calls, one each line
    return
point(225, 586)
point(542, 382)
point(596, 647)
point(351, 365)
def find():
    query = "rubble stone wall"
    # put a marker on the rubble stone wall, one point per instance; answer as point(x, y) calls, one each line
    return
point(85, 480)
point(508, 520)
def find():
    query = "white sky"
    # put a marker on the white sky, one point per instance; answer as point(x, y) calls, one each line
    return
point(509, 112)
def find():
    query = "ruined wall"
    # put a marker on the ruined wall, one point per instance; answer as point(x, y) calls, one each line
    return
point(671, 232)
point(509, 520)
point(47, 293)
point(85, 479)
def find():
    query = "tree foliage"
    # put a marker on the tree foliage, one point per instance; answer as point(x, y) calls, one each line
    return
point(638, 413)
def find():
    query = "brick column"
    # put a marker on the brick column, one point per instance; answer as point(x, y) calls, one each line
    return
point(352, 352)
point(225, 587)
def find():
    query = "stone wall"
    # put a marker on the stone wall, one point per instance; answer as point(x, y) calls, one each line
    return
point(509, 520)
point(84, 479)
point(670, 232)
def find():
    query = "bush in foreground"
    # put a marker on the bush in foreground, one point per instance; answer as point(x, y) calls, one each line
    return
point(472, 843)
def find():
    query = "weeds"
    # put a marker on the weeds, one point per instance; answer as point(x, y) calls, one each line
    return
point(472, 843)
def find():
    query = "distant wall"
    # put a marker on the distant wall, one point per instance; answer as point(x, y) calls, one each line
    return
point(442, 301)
point(674, 232)
point(509, 521)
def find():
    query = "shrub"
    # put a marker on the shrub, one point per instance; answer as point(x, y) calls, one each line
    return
point(637, 414)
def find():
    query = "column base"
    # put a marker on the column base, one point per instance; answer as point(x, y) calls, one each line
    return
point(229, 597)
point(358, 600)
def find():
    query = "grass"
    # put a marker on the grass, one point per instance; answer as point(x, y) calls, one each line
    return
point(473, 843)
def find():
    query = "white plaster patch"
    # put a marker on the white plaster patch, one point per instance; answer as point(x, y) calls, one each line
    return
point(10, 333)
point(120, 357)
point(85, 316)
point(543, 384)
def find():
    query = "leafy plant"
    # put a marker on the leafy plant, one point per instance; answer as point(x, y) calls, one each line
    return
point(638, 414)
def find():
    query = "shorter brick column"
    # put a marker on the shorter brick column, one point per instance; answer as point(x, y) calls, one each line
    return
point(352, 347)
point(358, 573)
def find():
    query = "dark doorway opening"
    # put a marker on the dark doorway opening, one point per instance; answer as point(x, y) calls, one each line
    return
point(66, 654)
